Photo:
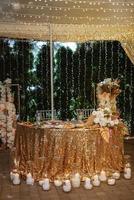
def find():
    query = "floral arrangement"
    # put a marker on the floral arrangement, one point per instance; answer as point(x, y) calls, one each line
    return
point(104, 117)
point(107, 116)
point(107, 92)
point(7, 114)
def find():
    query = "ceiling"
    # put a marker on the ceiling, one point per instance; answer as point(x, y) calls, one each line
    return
point(67, 20)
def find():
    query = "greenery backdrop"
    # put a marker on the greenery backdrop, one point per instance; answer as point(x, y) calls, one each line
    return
point(76, 73)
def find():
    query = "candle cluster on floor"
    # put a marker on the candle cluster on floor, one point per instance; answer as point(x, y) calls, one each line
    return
point(75, 180)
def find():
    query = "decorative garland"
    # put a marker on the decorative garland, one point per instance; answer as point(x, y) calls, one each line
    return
point(7, 114)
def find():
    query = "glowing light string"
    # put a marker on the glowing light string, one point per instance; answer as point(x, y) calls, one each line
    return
point(23, 64)
point(72, 74)
point(92, 61)
point(124, 91)
point(42, 77)
point(99, 67)
point(3, 50)
point(17, 60)
point(92, 72)
point(47, 74)
point(112, 61)
point(59, 56)
point(79, 57)
point(85, 68)
point(118, 66)
point(130, 98)
point(66, 79)
point(105, 65)
point(118, 58)
point(10, 65)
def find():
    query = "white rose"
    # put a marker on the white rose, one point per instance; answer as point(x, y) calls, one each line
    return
point(94, 112)
point(100, 114)
point(112, 123)
point(103, 122)
point(107, 109)
point(96, 120)
point(116, 122)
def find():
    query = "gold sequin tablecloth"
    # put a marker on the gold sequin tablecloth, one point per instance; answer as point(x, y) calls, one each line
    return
point(58, 153)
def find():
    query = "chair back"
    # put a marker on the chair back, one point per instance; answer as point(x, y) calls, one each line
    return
point(83, 113)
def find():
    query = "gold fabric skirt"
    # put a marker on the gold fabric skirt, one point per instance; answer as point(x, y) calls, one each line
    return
point(59, 153)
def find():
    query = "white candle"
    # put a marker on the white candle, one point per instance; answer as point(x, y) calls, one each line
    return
point(87, 184)
point(46, 184)
point(111, 181)
point(12, 176)
point(16, 179)
point(103, 176)
point(127, 173)
point(96, 181)
point(12, 173)
point(76, 180)
point(116, 175)
point(128, 165)
point(41, 182)
point(67, 186)
point(29, 179)
point(57, 183)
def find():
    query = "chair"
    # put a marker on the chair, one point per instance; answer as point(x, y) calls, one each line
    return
point(42, 115)
point(83, 113)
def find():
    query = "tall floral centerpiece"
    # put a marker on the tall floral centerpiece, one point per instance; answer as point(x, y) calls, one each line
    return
point(107, 92)
point(107, 115)
point(7, 114)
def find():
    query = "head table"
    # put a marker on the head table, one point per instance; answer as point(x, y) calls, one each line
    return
point(57, 153)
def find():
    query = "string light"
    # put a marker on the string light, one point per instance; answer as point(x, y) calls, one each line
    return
point(73, 13)
point(72, 75)
point(124, 91)
point(10, 70)
point(79, 59)
point(4, 69)
point(105, 65)
point(130, 97)
point(99, 67)
point(66, 81)
point(78, 7)
point(111, 74)
point(118, 58)
point(118, 66)
point(47, 73)
point(92, 61)
point(42, 77)
point(60, 80)
point(85, 68)
point(17, 60)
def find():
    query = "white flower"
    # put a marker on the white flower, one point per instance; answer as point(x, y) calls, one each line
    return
point(116, 122)
point(100, 114)
point(6, 122)
point(107, 80)
point(94, 112)
point(96, 120)
point(112, 123)
point(8, 81)
point(103, 122)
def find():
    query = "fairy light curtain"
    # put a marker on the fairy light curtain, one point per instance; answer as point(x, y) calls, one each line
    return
point(22, 61)
point(71, 20)
point(76, 72)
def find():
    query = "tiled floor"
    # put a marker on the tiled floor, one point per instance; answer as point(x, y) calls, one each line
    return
point(123, 190)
